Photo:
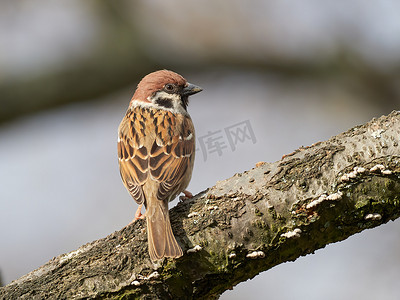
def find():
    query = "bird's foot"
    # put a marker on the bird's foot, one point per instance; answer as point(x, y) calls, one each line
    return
point(187, 195)
point(138, 215)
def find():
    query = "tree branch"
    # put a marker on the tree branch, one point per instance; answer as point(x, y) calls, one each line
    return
point(242, 226)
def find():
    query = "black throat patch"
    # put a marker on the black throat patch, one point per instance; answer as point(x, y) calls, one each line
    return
point(185, 102)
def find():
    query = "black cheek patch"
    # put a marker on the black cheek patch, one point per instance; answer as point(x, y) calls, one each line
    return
point(164, 102)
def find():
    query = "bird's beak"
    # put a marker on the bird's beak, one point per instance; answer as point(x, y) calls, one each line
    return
point(191, 89)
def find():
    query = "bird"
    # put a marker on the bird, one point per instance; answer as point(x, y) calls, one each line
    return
point(156, 151)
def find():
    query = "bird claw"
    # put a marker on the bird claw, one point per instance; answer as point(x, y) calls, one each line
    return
point(138, 215)
point(187, 195)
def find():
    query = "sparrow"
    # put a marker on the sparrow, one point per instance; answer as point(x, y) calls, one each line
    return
point(156, 149)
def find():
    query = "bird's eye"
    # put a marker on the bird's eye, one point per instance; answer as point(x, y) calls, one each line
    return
point(169, 87)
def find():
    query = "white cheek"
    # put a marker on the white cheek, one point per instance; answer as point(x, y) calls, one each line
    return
point(175, 99)
point(176, 102)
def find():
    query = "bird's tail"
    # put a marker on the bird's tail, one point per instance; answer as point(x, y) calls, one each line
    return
point(161, 240)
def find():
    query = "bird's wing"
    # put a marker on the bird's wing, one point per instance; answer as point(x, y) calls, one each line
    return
point(133, 156)
point(163, 148)
point(172, 154)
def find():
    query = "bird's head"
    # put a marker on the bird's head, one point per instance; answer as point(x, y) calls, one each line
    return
point(165, 90)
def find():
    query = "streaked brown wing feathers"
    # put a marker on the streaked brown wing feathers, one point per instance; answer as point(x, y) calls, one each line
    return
point(133, 156)
point(169, 163)
point(170, 155)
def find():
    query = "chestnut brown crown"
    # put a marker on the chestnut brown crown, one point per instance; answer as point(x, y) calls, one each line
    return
point(167, 83)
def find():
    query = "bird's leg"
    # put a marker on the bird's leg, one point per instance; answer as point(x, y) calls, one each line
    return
point(188, 195)
point(138, 214)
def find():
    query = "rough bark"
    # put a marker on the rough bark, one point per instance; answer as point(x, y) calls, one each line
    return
point(242, 226)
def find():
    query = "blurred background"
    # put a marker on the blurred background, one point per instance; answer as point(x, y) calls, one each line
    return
point(291, 72)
